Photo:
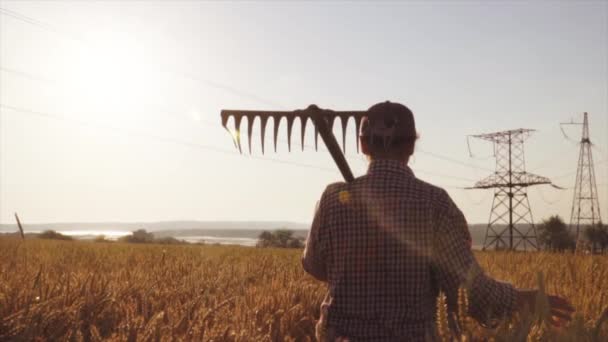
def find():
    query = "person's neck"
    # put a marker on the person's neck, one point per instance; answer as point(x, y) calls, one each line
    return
point(398, 159)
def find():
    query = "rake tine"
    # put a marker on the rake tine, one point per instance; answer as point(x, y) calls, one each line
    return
point(250, 121)
point(276, 119)
point(357, 127)
point(224, 120)
point(303, 120)
point(225, 125)
point(331, 119)
point(344, 122)
point(237, 133)
point(316, 137)
point(264, 119)
point(290, 120)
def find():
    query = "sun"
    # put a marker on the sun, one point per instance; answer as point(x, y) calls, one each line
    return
point(110, 77)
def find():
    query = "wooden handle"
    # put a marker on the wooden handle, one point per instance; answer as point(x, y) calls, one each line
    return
point(331, 143)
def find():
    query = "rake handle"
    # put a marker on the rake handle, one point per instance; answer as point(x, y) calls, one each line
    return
point(330, 141)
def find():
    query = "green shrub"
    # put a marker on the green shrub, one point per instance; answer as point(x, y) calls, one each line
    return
point(53, 235)
point(138, 236)
point(281, 238)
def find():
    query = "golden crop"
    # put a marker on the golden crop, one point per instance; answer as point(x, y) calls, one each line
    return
point(55, 290)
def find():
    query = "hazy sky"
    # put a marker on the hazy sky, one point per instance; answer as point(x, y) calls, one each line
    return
point(110, 110)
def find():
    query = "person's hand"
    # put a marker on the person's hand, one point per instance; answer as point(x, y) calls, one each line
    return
point(560, 310)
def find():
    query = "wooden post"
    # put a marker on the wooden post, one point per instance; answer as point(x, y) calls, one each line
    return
point(20, 227)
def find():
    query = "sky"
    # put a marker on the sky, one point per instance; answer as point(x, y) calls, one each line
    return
point(110, 111)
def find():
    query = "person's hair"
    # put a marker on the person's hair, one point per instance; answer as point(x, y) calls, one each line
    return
point(399, 148)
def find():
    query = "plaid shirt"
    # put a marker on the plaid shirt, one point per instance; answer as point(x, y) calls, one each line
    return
point(386, 244)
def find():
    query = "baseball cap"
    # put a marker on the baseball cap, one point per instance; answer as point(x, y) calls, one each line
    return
point(387, 124)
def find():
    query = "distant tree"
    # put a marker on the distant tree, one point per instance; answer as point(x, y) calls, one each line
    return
point(265, 239)
point(554, 235)
point(53, 235)
point(597, 236)
point(101, 238)
point(282, 238)
point(169, 240)
point(142, 236)
point(295, 243)
point(138, 236)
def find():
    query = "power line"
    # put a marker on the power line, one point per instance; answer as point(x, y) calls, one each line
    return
point(548, 162)
point(471, 155)
point(38, 23)
point(207, 122)
point(544, 199)
point(567, 174)
point(161, 138)
point(221, 86)
point(213, 84)
point(455, 161)
point(191, 144)
point(475, 202)
point(432, 173)
point(208, 82)
point(570, 173)
point(561, 127)
point(27, 75)
point(186, 143)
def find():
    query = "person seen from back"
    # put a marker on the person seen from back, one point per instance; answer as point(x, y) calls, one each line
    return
point(388, 243)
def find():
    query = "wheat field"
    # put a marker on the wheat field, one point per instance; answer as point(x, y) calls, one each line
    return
point(85, 291)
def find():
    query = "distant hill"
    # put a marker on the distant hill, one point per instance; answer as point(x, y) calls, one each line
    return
point(158, 226)
point(190, 228)
point(222, 233)
point(174, 225)
point(184, 229)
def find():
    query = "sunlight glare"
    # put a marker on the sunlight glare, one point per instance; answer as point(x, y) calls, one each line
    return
point(195, 115)
point(111, 78)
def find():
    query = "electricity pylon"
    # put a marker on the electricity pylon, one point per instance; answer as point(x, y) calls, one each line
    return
point(585, 204)
point(511, 223)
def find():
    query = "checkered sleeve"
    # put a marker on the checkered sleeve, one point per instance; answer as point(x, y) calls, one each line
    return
point(455, 266)
point(313, 259)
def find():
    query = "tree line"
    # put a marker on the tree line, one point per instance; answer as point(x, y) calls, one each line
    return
point(280, 238)
point(555, 235)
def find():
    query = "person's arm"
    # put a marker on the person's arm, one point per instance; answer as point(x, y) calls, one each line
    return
point(489, 299)
point(560, 310)
point(455, 266)
point(313, 259)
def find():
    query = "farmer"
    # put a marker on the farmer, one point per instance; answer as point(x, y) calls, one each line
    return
point(387, 243)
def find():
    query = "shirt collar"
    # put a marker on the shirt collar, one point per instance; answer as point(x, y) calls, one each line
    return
point(388, 165)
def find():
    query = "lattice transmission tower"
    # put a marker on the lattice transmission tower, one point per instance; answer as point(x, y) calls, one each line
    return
point(585, 204)
point(511, 224)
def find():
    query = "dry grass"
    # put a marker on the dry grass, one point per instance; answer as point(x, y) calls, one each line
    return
point(54, 290)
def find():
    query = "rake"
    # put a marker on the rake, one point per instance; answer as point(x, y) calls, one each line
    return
point(323, 120)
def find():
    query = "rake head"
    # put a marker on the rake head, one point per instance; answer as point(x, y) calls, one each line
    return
point(322, 119)
point(304, 115)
